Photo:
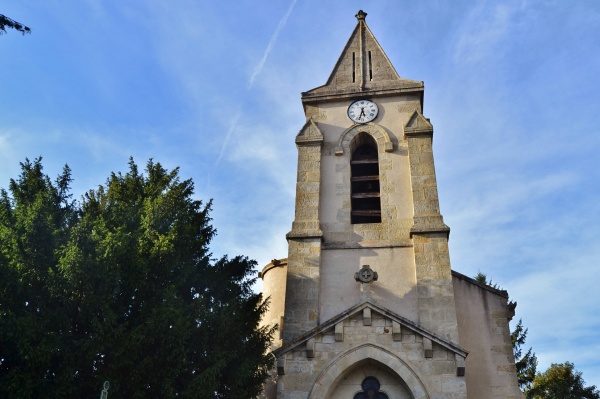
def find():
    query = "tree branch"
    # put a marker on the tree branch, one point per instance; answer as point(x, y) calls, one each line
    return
point(10, 23)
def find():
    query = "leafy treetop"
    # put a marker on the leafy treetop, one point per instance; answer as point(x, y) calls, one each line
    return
point(122, 287)
point(561, 381)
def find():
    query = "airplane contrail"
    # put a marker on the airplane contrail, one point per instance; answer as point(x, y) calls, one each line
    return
point(234, 121)
point(261, 64)
point(232, 126)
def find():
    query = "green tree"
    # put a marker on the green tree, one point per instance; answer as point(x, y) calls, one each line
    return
point(482, 278)
point(526, 364)
point(561, 381)
point(122, 287)
point(34, 223)
point(6, 22)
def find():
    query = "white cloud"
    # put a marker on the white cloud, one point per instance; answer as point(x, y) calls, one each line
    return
point(496, 199)
point(482, 31)
point(556, 302)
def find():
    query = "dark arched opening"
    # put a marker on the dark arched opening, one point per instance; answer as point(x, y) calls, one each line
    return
point(366, 202)
point(370, 390)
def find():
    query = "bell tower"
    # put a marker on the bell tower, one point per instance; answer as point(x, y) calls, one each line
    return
point(366, 194)
point(366, 296)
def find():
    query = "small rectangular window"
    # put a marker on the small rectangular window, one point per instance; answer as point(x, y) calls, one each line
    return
point(370, 67)
point(353, 67)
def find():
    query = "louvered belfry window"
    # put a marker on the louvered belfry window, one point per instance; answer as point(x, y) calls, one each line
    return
point(366, 203)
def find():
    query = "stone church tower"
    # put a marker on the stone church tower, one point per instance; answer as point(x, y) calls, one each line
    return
point(366, 302)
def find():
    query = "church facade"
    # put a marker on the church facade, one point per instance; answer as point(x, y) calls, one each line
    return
point(366, 303)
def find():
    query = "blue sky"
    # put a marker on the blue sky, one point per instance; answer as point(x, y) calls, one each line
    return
point(512, 89)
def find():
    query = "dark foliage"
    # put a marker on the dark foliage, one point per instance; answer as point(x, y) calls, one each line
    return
point(6, 22)
point(526, 363)
point(121, 287)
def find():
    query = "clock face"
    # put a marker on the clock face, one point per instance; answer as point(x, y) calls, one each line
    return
point(362, 111)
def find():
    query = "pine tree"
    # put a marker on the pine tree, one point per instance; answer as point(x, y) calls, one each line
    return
point(526, 364)
point(122, 287)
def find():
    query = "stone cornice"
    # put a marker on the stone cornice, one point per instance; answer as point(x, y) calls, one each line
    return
point(354, 92)
point(295, 234)
point(274, 263)
point(430, 229)
point(414, 327)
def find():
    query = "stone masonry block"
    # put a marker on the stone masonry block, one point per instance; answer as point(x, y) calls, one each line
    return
point(310, 348)
point(312, 315)
point(363, 352)
point(339, 332)
point(423, 181)
point(396, 331)
point(502, 349)
point(506, 369)
point(313, 176)
point(343, 167)
point(328, 338)
point(453, 384)
point(419, 195)
point(281, 365)
point(427, 347)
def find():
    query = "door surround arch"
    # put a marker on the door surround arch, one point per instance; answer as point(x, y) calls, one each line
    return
point(331, 374)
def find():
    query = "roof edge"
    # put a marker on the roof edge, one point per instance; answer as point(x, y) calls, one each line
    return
point(299, 340)
point(335, 95)
point(502, 293)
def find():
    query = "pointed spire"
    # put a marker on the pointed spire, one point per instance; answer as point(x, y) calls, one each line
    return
point(363, 67)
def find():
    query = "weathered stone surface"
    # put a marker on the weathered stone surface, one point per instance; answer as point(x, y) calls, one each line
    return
point(361, 349)
point(327, 352)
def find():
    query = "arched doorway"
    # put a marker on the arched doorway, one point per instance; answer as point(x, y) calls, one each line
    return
point(370, 379)
point(343, 376)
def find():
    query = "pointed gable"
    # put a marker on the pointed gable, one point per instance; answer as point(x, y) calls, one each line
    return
point(365, 311)
point(366, 308)
point(363, 67)
point(418, 125)
point(309, 134)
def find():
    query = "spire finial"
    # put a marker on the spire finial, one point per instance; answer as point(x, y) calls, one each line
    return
point(361, 15)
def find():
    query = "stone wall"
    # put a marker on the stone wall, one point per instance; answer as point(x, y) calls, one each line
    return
point(410, 364)
point(274, 276)
point(483, 315)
